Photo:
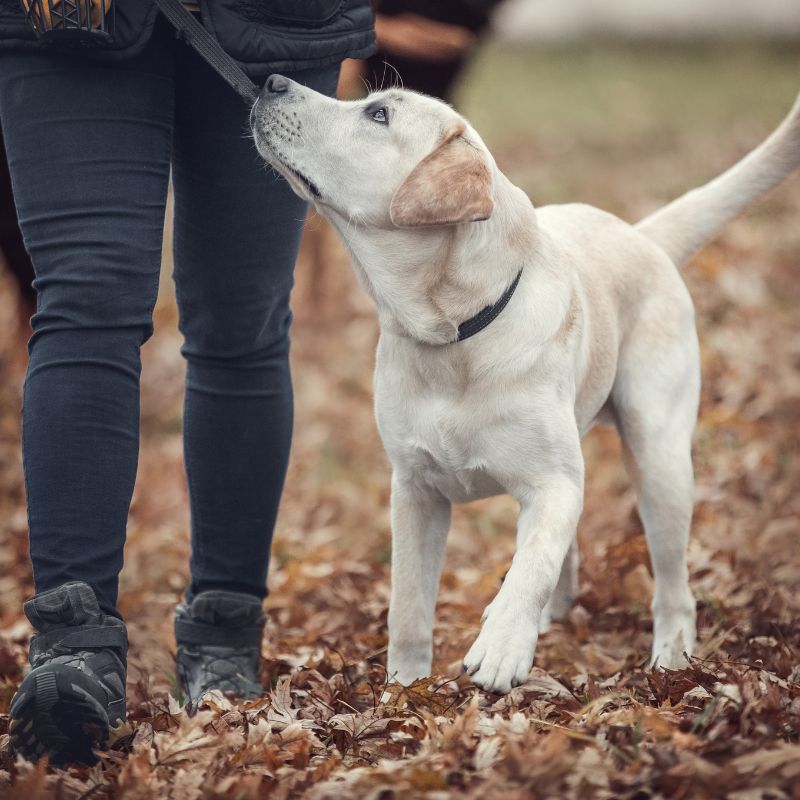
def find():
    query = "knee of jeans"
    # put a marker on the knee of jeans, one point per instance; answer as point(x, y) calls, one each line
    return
point(101, 332)
point(111, 350)
point(249, 341)
point(109, 314)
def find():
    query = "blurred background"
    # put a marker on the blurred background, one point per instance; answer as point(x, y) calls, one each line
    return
point(623, 105)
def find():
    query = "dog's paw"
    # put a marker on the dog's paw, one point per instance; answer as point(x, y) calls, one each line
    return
point(671, 654)
point(670, 645)
point(500, 658)
point(408, 666)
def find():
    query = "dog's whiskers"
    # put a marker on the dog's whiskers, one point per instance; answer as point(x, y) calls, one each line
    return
point(400, 84)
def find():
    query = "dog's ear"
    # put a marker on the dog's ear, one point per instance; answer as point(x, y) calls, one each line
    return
point(450, 185)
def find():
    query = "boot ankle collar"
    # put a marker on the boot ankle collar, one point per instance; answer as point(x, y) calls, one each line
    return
point(193, 632)
point(81, 637)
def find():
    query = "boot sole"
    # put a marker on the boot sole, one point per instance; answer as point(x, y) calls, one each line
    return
point(54, 714)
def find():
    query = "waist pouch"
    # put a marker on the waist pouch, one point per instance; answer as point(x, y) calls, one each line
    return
point(263, 36)
point(79, 23)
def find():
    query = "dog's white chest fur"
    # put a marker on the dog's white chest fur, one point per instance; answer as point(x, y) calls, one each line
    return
point(466, 430)
point(449, 451)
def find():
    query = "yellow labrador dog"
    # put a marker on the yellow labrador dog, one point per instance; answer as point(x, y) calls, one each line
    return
point(506, 333)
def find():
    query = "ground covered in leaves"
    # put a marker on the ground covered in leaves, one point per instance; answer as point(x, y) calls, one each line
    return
point(609, 125)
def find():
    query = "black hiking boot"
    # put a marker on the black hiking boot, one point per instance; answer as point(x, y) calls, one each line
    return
point(219, 645)
point(75, 694)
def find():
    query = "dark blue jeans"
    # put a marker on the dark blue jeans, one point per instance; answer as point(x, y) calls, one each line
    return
point(90, 147)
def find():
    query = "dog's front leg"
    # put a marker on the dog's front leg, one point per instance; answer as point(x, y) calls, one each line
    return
point(420, 523)
point(502, 655)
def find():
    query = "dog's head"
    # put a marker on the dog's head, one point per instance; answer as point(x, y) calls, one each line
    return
point(396, 159)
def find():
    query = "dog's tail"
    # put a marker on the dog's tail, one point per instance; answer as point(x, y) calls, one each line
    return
point(681, 227)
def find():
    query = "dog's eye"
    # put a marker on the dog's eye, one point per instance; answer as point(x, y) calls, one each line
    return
point(380, 115)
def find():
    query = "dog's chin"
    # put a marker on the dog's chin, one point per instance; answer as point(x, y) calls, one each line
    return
point(300, 183)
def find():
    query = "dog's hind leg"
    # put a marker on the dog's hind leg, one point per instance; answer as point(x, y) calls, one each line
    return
point(655, 401)
point(420, 523)
point(563, 597)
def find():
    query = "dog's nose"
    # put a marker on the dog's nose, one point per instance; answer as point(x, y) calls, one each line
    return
point(277, 84)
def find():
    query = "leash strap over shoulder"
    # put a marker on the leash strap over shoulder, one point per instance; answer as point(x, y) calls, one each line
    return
point(209, 49)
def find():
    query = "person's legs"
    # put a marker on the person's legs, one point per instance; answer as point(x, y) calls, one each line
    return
point(89, 151)
point(237, 230)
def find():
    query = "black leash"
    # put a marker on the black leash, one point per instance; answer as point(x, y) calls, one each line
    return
point(196, 36)
point(487, 315)
point(209, 49)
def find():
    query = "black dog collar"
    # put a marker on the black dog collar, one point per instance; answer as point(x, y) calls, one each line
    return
point(485, 317)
